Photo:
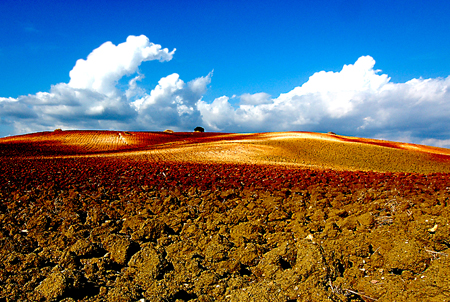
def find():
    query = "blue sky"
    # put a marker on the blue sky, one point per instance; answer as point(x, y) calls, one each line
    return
point(260, 51)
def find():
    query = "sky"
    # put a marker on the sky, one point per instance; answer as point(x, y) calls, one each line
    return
point(377, 69)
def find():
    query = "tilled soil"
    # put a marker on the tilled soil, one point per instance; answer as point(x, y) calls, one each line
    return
point(105, 233)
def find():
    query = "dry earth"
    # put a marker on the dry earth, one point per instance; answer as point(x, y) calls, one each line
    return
point(296, 149)
point(140, 216)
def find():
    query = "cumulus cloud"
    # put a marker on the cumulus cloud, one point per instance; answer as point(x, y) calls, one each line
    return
point(357, 100)
point(92, 100)
point(172, 103)
point(255, 99)
point(107, 64)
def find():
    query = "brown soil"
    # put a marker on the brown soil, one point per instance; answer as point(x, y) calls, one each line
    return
point(139, 227)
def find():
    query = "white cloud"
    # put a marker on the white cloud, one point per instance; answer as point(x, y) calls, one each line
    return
point(7, 99)
point(11, 108)
point(255, 99)
point(357, 101)
point(92, 100)
point(107, 64)
point(218, 115)
point(172, 103)
point(134, 91)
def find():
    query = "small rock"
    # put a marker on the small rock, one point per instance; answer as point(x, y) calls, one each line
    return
point(53, 286)
point(118, 246)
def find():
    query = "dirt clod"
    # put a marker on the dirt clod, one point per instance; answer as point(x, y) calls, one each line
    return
point(53, 286)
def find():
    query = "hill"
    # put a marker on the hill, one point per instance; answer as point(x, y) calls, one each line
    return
point(296, 149)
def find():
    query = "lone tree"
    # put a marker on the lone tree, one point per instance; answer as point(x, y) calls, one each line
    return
point(199, 129)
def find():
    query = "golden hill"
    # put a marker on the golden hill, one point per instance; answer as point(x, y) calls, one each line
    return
point(295, 149)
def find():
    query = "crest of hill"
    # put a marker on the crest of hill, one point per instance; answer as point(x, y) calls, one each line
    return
point(293, 149)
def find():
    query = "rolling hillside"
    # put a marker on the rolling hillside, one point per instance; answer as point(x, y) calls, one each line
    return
point(296, 149)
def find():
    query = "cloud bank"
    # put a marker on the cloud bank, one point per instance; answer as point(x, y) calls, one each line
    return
point(358, 100)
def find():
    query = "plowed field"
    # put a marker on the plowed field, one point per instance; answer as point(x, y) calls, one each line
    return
point(152, 216)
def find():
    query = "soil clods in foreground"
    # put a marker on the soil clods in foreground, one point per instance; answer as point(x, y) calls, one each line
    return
point(117, 229)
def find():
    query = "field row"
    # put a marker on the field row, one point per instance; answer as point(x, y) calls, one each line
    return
point(77, 142)
point(116, 174)
point(294, 149)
